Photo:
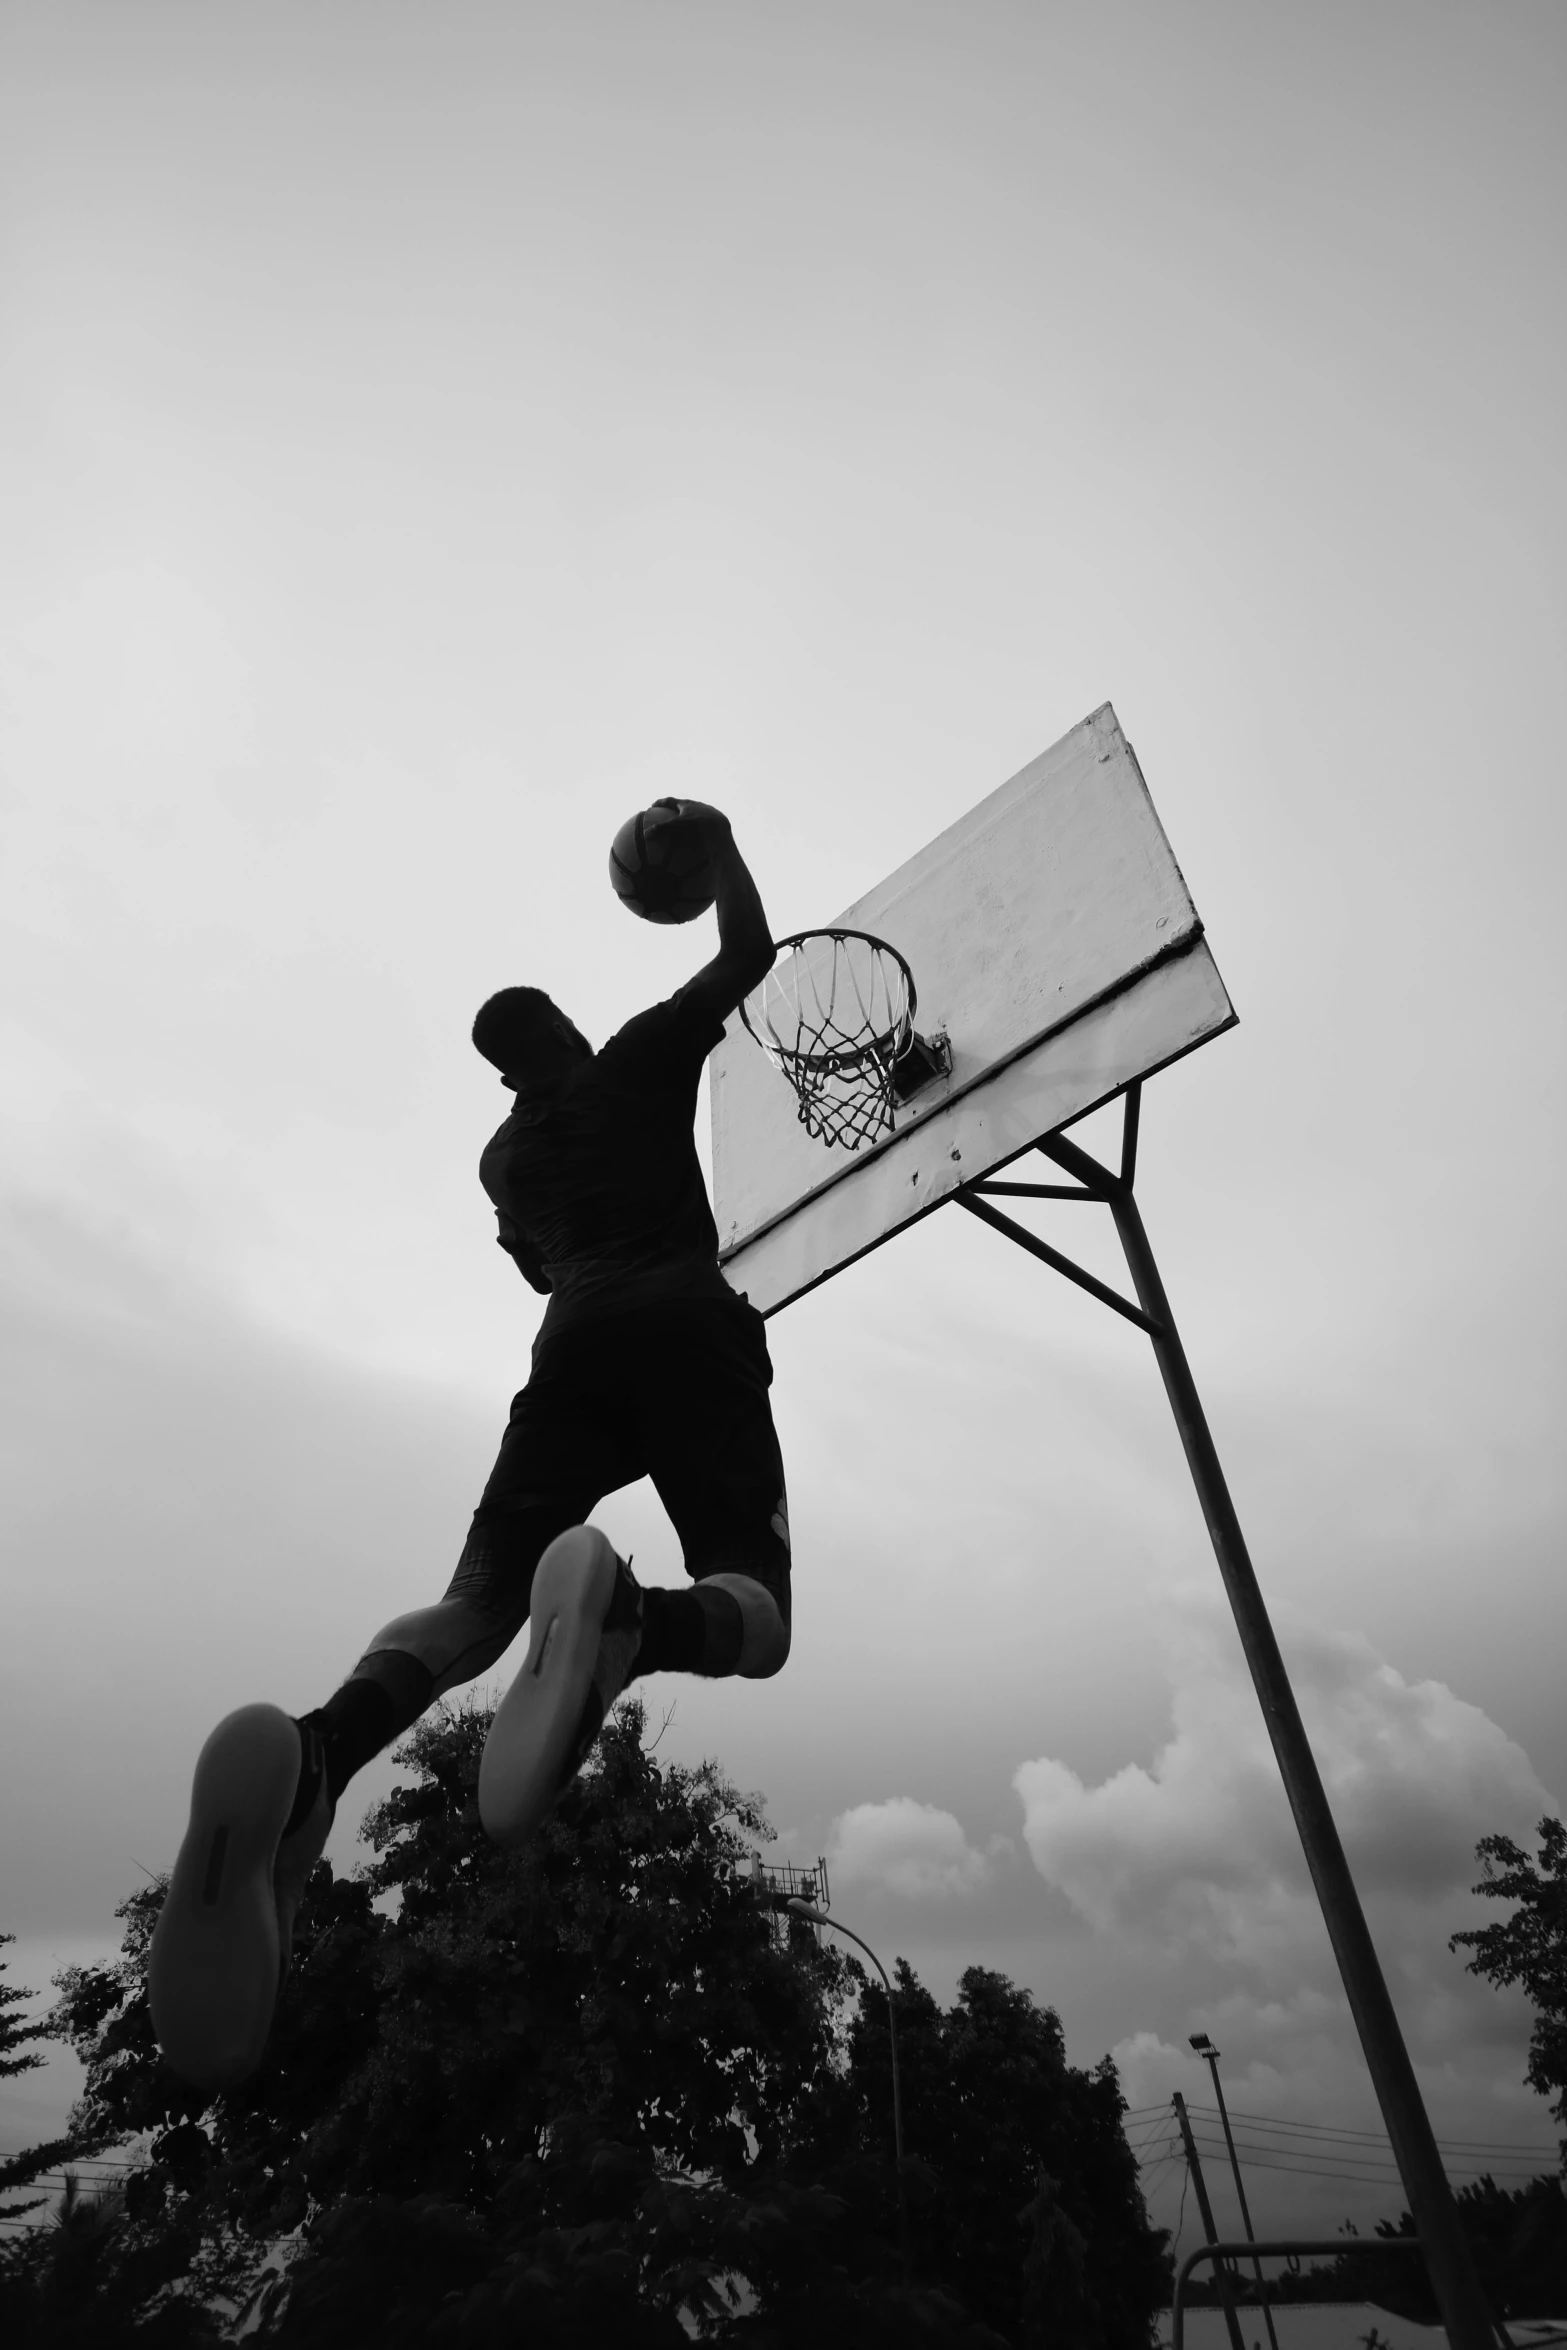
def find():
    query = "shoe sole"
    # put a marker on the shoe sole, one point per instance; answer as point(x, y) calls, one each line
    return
point(537, 1720)
point(215, 1961)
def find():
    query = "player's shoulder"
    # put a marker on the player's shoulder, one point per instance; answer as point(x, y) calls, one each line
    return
point(686, 1017)
point(644, 1031)
point(513, 1129)
point(508, 1129)
point(494, 1151)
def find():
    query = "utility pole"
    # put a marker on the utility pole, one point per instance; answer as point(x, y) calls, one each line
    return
point(1210, 2232)
point(1210, 2056)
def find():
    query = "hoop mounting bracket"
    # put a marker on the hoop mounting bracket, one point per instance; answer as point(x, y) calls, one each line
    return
point(922, 1060)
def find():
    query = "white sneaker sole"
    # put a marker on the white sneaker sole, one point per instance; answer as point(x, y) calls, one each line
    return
point(537, 1720)
point(213, 1972)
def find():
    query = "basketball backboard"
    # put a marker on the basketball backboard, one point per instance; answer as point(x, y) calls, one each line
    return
point(1053, 941)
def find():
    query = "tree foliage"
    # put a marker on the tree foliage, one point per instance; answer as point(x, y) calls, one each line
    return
point(1530, 1947)
point(16, 2056)
point(1517, 2235)
point(581, 2092)
point(1026, 2194)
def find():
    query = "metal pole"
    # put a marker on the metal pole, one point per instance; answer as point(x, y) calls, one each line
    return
point(1211, 2059)
point(1453, 2279)
point(1211, 2233)
point(819, 1917)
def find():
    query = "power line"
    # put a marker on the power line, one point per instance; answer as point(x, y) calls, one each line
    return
point(1371, 2164)
point(1356, 2160)
point(1338, 2177)
point(1520, 2149)
point(1366, 2166)
point(1354, 2150)
point(1345, 2175)
point(1379, 2137)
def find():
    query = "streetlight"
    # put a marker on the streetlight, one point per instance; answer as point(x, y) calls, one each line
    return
point(819, 1917)
point(1210, 2056)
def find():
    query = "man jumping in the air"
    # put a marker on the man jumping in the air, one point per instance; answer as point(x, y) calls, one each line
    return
point(647, 1364)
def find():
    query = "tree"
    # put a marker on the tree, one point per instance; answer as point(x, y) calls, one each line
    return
point(1517, 2235)
point(573, 2093)
point(1530, 1947)
point(65, 2284)
point(16, 2057)
point(73, 2284)
point(13, 2033)
point(1027, 2195)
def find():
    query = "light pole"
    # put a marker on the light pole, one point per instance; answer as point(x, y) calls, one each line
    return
point(819, 1917)
point(1210, 2056)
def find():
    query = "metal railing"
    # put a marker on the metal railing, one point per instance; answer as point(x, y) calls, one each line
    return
point(1276, 2248)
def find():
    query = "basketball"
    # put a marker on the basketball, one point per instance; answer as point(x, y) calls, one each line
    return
point(661, 863)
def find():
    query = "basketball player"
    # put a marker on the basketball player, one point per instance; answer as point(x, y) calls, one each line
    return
point(646, 1364)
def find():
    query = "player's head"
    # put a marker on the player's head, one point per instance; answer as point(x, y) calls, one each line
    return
point(529, 1039)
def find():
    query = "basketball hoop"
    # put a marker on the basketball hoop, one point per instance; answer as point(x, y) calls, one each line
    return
point(836, 1015)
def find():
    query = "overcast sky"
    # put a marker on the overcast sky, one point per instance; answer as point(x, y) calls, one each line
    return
point(426, 436)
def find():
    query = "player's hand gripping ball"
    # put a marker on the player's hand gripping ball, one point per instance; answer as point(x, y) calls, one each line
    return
point(663, 863)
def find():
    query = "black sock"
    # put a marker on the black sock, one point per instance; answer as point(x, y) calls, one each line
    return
point(387, 1693)
point(312, 1763)
point(700, 1631)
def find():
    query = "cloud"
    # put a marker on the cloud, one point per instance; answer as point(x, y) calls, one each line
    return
point(195, 1512)
point(909, 1849)
point(1188, 1874)
point(1198, 1849)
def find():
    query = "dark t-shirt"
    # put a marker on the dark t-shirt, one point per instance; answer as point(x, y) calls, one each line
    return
point(597, 1188)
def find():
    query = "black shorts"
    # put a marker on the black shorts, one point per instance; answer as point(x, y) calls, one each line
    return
point(676, 1392)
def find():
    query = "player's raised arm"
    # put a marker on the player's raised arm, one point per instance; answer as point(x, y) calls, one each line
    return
point(745, 941)
point(672, 862)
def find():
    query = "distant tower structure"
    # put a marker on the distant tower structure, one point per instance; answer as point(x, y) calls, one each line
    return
point(776, 1887)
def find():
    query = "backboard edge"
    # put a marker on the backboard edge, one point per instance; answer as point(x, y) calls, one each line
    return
point(728, 1257)
point(1187, 943)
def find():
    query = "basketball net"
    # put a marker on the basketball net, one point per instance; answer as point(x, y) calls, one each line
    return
point(836, 1014)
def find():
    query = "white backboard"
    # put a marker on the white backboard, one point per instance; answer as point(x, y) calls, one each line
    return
point(1053, 939)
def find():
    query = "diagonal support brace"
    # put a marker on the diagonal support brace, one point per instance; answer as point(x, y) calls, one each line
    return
point(992, 1190)
point(1060, 1264)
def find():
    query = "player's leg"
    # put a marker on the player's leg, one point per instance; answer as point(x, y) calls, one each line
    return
point(260, 1814)
point(588, 1616)
point(585, 1631)
point(684, 1389)
point(266, 1785)
point(707, 1427)
point(420, 1655)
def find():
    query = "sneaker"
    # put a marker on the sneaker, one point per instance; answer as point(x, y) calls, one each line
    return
point(584, 1631)
point(221, 1947)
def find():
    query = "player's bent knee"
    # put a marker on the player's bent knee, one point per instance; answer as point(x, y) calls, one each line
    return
point(771, 1657)
point(476, 1658)
point(764, 1645)
point(452, 1639)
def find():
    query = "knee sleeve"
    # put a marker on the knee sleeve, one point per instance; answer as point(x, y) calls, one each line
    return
point(773, 1576)
point(764, 1636)
point(453, 1640)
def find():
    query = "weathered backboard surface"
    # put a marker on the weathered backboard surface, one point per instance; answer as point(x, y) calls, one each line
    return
point(1053, 939)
